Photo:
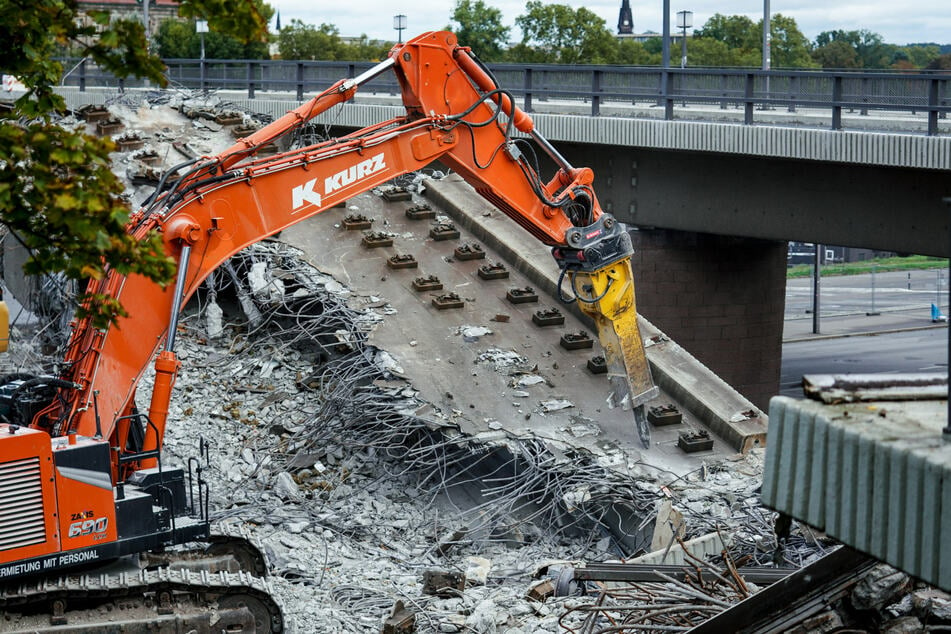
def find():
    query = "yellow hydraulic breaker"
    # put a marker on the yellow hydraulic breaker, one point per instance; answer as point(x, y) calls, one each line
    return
point(607, 296)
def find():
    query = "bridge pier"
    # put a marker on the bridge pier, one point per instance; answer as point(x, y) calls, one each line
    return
point(721, 298)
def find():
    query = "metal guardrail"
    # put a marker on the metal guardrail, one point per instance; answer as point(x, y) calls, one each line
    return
point(918, 93)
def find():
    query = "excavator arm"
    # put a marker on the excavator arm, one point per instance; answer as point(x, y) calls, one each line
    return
point(210, 209)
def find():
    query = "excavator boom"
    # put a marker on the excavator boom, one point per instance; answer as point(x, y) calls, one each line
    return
point(456, 113)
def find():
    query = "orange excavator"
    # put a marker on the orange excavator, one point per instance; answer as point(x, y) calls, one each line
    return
point(81, 474)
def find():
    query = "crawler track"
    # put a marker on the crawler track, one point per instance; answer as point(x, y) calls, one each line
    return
point(153, 601)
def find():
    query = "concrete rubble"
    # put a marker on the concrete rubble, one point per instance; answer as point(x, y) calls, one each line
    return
point(352, 518)
point(360, 490)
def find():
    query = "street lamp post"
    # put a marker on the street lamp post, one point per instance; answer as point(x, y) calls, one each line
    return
point(665, 37)
point(201, 27)
point(399, 23)
point(684, 22)
point(665, 66)
point(767, 53)
point(146, 23)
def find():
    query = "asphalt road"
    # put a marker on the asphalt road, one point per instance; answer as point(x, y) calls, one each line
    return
point(847, 300)
point(911, 351)
point(858, 294)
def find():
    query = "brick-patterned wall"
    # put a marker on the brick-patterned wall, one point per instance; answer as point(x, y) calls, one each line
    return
point(719, 297)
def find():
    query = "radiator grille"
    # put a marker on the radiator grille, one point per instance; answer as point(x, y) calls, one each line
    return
point(21, 504)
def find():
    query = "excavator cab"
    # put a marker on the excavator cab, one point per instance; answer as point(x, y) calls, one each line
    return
point(61, 504)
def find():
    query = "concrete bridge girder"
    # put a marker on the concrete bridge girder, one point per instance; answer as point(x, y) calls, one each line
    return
point(878, 207)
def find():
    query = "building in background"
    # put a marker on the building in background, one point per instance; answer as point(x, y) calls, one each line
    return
point(625, 21)
point(159, 10)
point(804, 253)
point(625, 27)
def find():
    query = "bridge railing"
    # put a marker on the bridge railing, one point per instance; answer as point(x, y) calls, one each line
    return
point(673, 93)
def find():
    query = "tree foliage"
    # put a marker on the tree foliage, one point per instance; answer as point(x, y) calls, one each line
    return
point(242, 19)
point(179, 39)
point(836, 54)
point(869, 50)
point(740, 43)
point(707, 51)
point(919, 56)
point(305, 41)
point(57, 191)
point(556, 33)
point(364, 48)
point(176, 39)
point(942, 62)
point(480, 27)
point(789, 48)
point(736, 31)
point(635, 54)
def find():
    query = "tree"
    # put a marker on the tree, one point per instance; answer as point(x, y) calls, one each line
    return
point(523, 53)
point(827, 37)
point(836, 54)
point(736, 31)
point(560, 34)
point(873, 51)
point(742, 42)
point(942, 62)
point(304, 41)
point(480, 28)
point(635, 54)
point(365, 49)
point(179, 39)
point(655, 46)
point(57, 191)
point(788, 47)
point(920, 55)
point(727, 40)
point(870, 49)
point(176, 39)
point(706, 51)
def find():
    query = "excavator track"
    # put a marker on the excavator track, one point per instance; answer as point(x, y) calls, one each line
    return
point(229, 547)
point(154, 601)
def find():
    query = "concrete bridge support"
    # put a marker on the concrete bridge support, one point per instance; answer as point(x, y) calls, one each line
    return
point(719, 297)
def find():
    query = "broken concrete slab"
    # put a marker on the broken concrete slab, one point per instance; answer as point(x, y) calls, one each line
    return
point(675, 371)
point(445, 368)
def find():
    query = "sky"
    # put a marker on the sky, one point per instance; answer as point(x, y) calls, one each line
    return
point(897, 21)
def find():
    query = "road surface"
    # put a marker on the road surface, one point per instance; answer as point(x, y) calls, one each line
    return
point(911, 351)
point(903, 299)
point(859, 294)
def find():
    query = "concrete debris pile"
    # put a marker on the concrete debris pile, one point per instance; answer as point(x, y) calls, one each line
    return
point(727, 495)
point(676, 602)
point(159, 129)
point(327, 458)
point(359, 490)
